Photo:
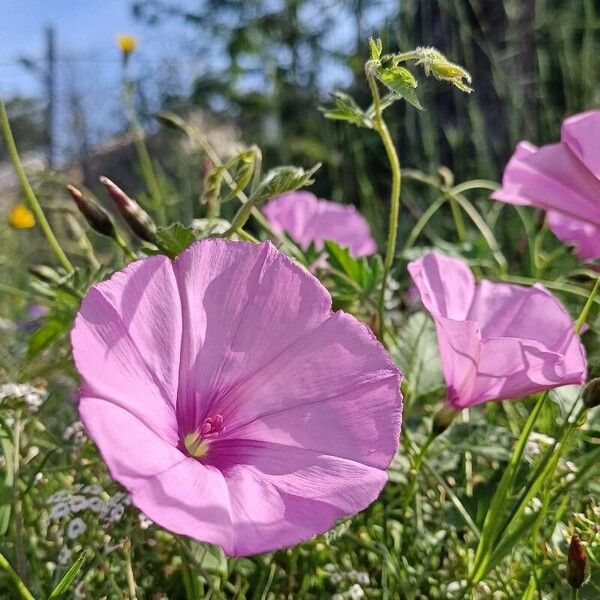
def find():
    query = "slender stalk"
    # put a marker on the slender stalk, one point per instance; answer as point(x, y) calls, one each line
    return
point(17, 516)
point(34, 204)
point(129, 571)
point(146, 165)
point(416, 469)
point(574, 594)
point(392, 155)
point(18, 583)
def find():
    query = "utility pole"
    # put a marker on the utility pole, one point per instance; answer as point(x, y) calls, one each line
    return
point(49, 81)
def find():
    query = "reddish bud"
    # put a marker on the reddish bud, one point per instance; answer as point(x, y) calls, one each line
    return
point(576, 562)
point(591, 393)
point(443, 419)
point(137, 218)
point(94, 214)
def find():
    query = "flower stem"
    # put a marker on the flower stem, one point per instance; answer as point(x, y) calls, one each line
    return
point(34, 204)
point(146, 166)
point(392, 155)
point(18, 583)
point(17, 517)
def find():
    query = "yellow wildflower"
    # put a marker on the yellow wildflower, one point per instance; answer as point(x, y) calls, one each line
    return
point(21, 217)
point(126, 43)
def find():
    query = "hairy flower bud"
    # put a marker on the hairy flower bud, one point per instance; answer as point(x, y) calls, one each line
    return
point(137, 218)
point(591, 393)
point(576, 563)
point(94, 214)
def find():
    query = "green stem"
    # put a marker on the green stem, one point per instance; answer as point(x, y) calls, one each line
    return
point(588, 305)
point(28, 190)
point(17, 516)
point(129, 572)
point(574, 593)
point(18, 583)
point(416, 469)
point(392, 155)
point(123, 245)
point(148, 171)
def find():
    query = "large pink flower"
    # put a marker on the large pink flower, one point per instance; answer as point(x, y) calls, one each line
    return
point(564, 179)
point(496, 340)
point(229, 399)
point(307, 219)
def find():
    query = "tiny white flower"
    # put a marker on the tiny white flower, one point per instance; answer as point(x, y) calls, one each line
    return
point(356, 592)
point(92, 490)
point(96, 505)
point(59, 511)
point(362, 578)
point(60, 496)
point(64, 555)
point(116, 513)
point(75, 528)
point(78, 503)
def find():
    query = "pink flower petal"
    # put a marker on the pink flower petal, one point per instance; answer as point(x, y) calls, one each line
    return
point(242, 306)
point(280, 492)
point(307, 219)
point(510, 341)
point(551, 177)
point(585, 237)
point(581, 133)
point(119, 343)
point(323, 382)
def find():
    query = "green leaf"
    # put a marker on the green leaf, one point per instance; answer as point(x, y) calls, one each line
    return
point(44, 336)
point(340, 258)
point(174, 239)
point(282, 179)
point(241, 168)
point(346, 109)
point(417, 356)
point(376, 48)
point(400, 81)
point(69, 576)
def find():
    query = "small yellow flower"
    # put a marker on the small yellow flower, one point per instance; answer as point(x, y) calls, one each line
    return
point(21, 217)
point(126, 43)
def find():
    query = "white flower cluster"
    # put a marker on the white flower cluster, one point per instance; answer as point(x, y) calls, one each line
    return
point(33, 396)
point(90, 497)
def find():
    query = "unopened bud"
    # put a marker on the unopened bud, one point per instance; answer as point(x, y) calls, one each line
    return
point(591, 393)
point(137, 218)
point(436, 64)
point(443, 419)
point(576, 562)
point(98, 219)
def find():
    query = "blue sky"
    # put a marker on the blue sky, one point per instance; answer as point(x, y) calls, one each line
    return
point(85, 35)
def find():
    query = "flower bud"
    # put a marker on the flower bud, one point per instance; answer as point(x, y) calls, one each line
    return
point(94, 214)
point(443, 419)
point(591, 393)
point(436, 64)
point(137, 218)
point(576, 563)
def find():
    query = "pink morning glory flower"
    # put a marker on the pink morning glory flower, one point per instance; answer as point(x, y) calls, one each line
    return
point(496, 341)
point(228, 398)
point(306, 219)
point(564, 180)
